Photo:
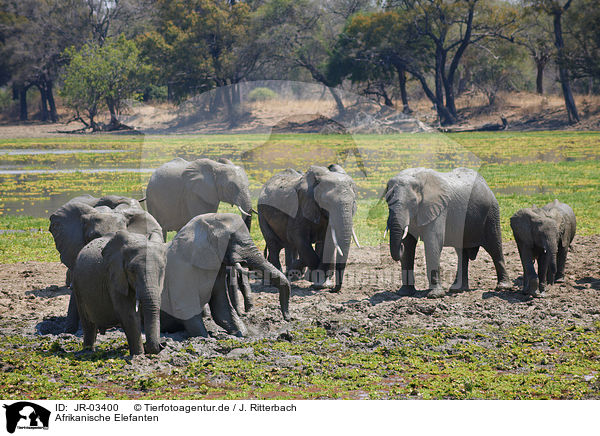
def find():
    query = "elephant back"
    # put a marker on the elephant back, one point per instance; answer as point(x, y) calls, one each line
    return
point(280, 192)
point(67, 230)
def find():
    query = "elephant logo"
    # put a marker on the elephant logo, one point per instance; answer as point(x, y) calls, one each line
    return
point(26, 415)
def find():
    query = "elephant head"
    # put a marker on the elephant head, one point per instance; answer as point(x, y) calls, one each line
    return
point(330, 197)
point(136, 267)
point(416, 197)
point(208, 243)
point(539, 230)
point(213, 182)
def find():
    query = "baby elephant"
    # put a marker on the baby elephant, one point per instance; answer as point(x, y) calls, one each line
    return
point(543, 234)
point(114, 277)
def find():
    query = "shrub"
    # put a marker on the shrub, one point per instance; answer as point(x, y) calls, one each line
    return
point(262, 94)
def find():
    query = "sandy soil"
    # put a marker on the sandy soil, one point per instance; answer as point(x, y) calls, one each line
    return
point(33, 301)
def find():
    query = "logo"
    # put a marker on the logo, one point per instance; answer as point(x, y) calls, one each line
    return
point(26, 415)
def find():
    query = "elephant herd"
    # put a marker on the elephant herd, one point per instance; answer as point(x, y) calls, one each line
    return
point(122, 271)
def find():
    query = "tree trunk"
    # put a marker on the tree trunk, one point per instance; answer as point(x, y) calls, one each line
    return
point(338, 101)
point(403, 94)
point(562, 69)
point(43, 102)
point(23, 102)
point(51, 103)
point(114, 117)
point(539, 80)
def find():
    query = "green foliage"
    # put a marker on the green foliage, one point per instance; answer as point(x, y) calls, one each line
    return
point(103, 74)
point(261, 94)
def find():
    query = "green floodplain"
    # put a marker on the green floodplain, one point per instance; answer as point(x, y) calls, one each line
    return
point(521, 168)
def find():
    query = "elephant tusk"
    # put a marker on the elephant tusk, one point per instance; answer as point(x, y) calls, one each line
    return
point(385, 233)
point(337, 247)
point(405, 232)
point(254, 211)
point(137, 306)
point(243, 212)
point(355, 238)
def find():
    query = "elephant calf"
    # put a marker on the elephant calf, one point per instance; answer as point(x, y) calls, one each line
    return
point(115, 276)
point(197, 261)
point(544, 234)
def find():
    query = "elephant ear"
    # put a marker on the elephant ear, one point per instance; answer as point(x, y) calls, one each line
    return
point(141, 222)
point(199, 179)
point(306, 196)
point(435, 196)
point(204, 240)
point(67, 230)
point(114, 259)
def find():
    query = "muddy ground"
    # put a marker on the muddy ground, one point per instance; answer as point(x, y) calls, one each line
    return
point(33, 302)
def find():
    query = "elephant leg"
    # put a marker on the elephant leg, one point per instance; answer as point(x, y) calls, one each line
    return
point(493, 245)
point(233, 277)
point(542, 274)
point(222, 311)
point(169, 323)
point(293, 267)
point(132, 325)
point(561, 260)
point(195, 326)
point(72, 321)
point(530, 278)
point(90, 331)
point(408, 266)
point(461, 282)
point(433, 251)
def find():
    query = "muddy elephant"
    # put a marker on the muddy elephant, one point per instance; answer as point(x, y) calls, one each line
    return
point(117, 278)
point(543, 234)
point(85, 218)
point(179, 190)
point(298, 210)
point(197, 262)
point(455, 209)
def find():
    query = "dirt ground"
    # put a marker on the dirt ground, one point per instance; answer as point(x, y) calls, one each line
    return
point(33, 300)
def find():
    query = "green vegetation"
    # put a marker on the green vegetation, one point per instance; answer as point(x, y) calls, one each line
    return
point(521, 168)
point(261, 94)
point(520, 363)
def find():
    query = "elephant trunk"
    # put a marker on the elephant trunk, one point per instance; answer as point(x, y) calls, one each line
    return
point(257, 262)
point(151, 312)
point(551, 261)
point(341, 227)
point(397, 225)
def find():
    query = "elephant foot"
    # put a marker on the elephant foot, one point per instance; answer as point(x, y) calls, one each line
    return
point(407, 291)
point(327, 283)
point(559, 279)
point(460, 286)
point(437, 292)
point(504, 285)
point(532, 286)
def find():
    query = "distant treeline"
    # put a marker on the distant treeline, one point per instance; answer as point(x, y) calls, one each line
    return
point(98, 53)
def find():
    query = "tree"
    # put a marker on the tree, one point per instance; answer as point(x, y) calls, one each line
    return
point(451, 27)
point(582, 52)
point(535, 35)
point(200, 45)
point(99, 75)
point(556, 9)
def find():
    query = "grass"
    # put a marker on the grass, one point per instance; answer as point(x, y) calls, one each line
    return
point(446, 363)
point(521, 168)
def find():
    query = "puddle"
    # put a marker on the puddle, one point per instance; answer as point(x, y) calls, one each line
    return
point(77, 170)
point(36, 151)
point(44, 208)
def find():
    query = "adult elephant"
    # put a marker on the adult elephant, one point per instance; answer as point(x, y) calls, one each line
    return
point(115, 278)
point(77, 222)
point(455, 209)
point(297, 210)
point(544, 234)
point(197, 261)
point(179, 190)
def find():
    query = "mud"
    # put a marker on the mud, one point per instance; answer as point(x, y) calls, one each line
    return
point(33, 299)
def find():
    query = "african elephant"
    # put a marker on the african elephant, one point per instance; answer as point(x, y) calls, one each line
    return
point(179, 190)
point(197, 260)
point(544, 234)
point(76, 223)
point(115, 277)
point(296, 210)
point(455, 209)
